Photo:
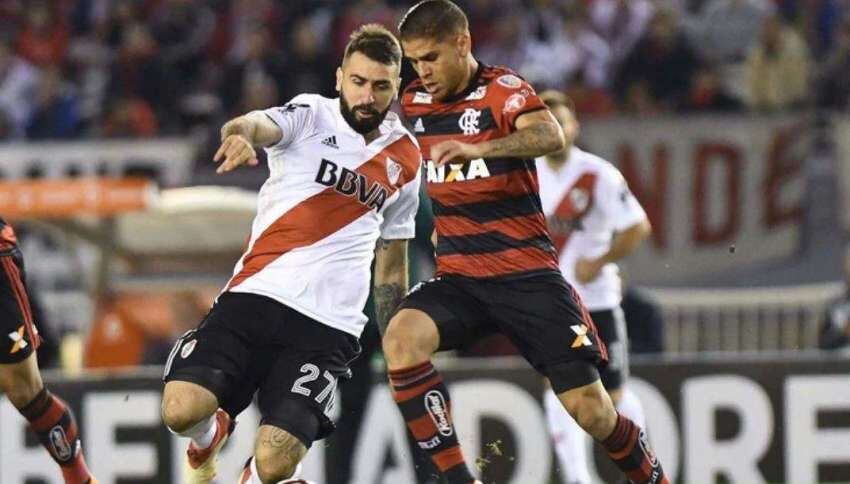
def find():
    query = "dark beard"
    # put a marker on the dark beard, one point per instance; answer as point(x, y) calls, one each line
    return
point(362, 126)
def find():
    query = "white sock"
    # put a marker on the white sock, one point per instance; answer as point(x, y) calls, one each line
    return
point(569, 440)
point(630, 407)
point(203, 432)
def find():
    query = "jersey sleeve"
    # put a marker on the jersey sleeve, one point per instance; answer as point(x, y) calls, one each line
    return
point(294, 118)
point(400, 217)
point(512, 97)
point(617, 202)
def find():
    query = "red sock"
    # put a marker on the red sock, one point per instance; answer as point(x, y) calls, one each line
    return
point(629, 448)
point(424, 401)
point(54, 424)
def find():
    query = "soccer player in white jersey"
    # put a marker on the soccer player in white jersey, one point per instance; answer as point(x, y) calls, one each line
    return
point(594, 221)
point(343, 187)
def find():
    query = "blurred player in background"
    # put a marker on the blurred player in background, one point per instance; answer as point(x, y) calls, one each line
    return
point(49, 417)
point(594, 221)
point(344, 177)
point(480, 128)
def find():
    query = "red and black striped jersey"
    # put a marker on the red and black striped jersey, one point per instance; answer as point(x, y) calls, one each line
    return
point(487, 212)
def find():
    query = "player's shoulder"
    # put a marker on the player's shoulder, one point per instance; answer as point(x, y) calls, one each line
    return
point(415, 96)
point(591, 162)
point(502, 79)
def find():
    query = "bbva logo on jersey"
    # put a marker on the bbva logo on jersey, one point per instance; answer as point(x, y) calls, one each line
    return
point(455, 172)
point(352, 184)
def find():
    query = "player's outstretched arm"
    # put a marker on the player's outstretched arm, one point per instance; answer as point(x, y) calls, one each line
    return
point(537, 133)
point(241, 135)
point(391, 279)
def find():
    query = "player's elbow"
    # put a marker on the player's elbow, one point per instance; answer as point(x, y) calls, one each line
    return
point(558, 140)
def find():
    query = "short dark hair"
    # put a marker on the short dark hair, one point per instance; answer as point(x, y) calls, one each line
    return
point(433, 19)
point(375, 42)
point(552, 98)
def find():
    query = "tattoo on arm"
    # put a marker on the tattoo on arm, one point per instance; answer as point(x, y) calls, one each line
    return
point(532, 141)
point(390, 281)
point(387, 299)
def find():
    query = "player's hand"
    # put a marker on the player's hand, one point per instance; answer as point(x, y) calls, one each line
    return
point(235, 150)
point(448, 151)
point(588, 269)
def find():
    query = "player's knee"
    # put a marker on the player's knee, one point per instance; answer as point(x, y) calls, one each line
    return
point(179, 414)
point(275, 464)
point(185, 404)
point(409, 339)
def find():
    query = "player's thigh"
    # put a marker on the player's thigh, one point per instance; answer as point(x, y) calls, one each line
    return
point(611, 326)
point(219, 353)
point(299, 391)
point(545, 320)
point(453, 308)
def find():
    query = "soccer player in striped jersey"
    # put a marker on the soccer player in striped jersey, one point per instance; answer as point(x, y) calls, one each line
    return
point(49, 417)
point(595, 221)
point(480, 128)
point(343, 190)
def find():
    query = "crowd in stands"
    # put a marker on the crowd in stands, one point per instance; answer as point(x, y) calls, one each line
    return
point(142, 68)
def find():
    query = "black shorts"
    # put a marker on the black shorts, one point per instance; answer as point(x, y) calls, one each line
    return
point(542, 315)
point(611, 325)
point(251, 344)
point(18, 334)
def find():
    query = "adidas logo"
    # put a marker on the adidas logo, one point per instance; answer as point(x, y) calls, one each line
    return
point(330, 141)
point(419, 127)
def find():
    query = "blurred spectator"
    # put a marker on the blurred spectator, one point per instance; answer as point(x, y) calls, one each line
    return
point(129, 118)
point(777, 67)
point(621, 23)
point(835, 332)
point(139, 72)
point(260, 61)
point(183, 29)
point(834, 82)
point(258, 93)
point(725, 29)
point(508, 46)
point(544, 20)
point(576, 52)
point(656, 76)
point(44, 37)
point(57, 113)
point(89, 58)
point(358, 13)
point(707, 94)
point(244, 18)
point(308, 67)
point(18, 87)
point(591, 101)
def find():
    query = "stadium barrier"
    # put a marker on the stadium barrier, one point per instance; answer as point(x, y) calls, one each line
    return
point(745, 420)
point(744, 319)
